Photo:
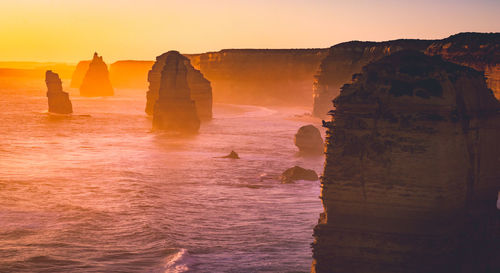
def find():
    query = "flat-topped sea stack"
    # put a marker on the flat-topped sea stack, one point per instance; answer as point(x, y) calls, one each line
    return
point(174, 109)
point(411, 175)
point(201, 90)
point(344, 60)
point(96, 82)
point(480, 51)
point(59, 102)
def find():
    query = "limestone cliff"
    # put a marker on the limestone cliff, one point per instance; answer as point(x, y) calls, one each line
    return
point(346, 59)
point(96, 82)
point(58, 99)
point(174, 109)
point(480, 51)
point(130, 74)
point(260, 76)
point(411, 174)
point(200, 88)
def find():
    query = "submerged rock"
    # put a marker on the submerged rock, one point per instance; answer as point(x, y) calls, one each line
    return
point(58, 99)
point(298, 173)
point(175, 110)
point(201, 90)
point(232, 155)
point(411, 174)
point(309, 141)
point(96, 82)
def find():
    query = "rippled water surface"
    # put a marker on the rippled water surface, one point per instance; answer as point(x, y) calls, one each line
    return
point(99, 192)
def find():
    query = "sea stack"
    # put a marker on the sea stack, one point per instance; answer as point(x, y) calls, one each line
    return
point(411, 176)
point(96, 82)
point(174, 109)
point(59, 102)
point(201, 90)
point(309, 141)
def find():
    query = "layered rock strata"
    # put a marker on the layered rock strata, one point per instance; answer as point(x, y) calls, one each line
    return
point(201, 90)
point(96, 82)
point(174, 109)
point(260, 76)
point(59, 102)
point(411, 174)
point(480, 51)
point(346, 59)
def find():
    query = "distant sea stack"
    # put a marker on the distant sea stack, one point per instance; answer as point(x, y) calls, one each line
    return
point(480, 51)
point(96, 82)
point(201, 90)
point(174, 109)
point(411, 175)
point(344, 60)
point(59, 102)
point(79, 74)
point(260, 76)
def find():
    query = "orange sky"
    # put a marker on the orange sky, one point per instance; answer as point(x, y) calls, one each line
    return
point(71, 30)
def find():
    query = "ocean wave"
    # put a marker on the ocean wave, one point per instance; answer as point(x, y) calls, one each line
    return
point(177, 262)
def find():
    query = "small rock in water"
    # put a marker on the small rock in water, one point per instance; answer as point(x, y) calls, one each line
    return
point(232, 155)
point(298, 173)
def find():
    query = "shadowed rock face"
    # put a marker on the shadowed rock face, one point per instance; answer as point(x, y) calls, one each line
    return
point(411, 174)
point(201, 90)
point(346, 59)
point(480, 51)
point(309, 141)
point(96, 82)
point(174, 109)
point(58, 99)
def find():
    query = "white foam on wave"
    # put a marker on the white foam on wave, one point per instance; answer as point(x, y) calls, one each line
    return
point(177, 262)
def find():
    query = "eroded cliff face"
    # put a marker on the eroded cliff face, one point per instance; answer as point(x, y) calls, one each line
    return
point(480, 51)
point(200, 88)
point(174, 110)
point(58, 99)
point(260, 76)
point(96, 82)
point(411, 174)
point(344, 60)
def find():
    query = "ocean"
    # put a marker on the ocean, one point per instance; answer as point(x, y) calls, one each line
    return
point(98, 191)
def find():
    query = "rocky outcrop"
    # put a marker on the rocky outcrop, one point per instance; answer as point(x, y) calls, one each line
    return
point(232, 155)
point(130, 74)
point(201, 90)
point(79, 73)
point(480, 51)
point(344, 60)
point(59, 102)
point(260, 76)
point(297, 173)
point(174, 109)
point(309, 141)
point(96, 82)
point(411, 174)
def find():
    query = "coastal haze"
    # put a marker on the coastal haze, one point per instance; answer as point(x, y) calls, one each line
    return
point(250, 136)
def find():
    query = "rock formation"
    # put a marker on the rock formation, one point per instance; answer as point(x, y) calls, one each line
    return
point(344, 60)
point(260, 76)
point(201, 90)
point(232, 155)
point(411, 174)
point(96, 82)
point(79, 74)
point(480, 51)
point(309, 141)
point(58, 99)
point(298, 173)
point(174, 109)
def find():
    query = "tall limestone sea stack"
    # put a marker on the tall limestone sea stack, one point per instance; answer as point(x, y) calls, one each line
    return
point(201, 90)
point(96, 82)
point(59, 102)
point(174, 109)
point(411, 175)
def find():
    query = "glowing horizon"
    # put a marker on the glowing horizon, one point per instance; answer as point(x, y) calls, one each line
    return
point(69, 31)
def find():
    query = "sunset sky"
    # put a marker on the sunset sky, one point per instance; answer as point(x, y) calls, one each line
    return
point(63, 30)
